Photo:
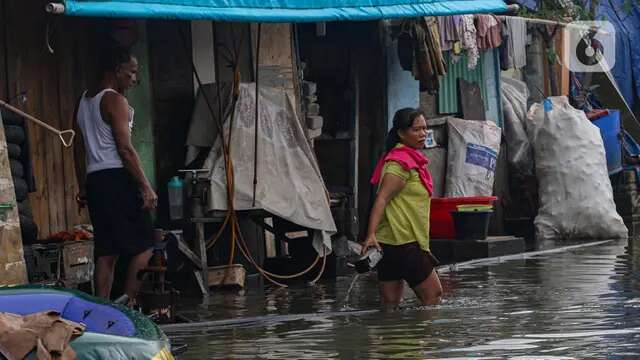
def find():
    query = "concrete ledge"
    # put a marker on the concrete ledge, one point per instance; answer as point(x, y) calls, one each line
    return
point(452, 251)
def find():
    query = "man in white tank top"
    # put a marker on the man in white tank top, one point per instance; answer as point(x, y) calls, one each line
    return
point(110, 175)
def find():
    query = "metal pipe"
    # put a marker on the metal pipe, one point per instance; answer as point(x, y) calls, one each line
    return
point(55, 8)
point(66, 136)
point(255, 128)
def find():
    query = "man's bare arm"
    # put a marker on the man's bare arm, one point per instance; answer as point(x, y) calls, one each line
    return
point(116, 109)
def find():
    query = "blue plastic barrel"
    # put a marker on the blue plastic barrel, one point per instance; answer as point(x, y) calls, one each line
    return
point(610, 131)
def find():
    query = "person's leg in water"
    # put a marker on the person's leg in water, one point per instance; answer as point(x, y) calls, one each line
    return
point(429, 292)
point(132, 284)
point(391, 292)
point(105, 266)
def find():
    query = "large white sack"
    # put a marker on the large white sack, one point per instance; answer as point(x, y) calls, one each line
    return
point(576, 198)
point(472, 157)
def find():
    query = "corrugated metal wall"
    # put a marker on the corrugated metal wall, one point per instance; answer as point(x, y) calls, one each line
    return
point(493, 102)
point(448, 92)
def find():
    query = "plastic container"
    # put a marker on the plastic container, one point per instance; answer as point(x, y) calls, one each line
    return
point(441, 221)
point(474, 207)
point(176, 198)
point(471, 225)
point(611, 133)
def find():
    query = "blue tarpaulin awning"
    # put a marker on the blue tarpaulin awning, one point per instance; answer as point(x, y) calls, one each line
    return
point(278, 10)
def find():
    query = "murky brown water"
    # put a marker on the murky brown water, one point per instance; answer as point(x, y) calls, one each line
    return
point(580, 304)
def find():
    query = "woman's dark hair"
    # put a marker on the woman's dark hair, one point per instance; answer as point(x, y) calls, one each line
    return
point(402, 120)
point(112, 56)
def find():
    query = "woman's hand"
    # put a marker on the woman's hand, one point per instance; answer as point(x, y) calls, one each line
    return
point(370, 242)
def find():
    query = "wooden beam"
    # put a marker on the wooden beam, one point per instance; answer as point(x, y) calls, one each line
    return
point(182, 246)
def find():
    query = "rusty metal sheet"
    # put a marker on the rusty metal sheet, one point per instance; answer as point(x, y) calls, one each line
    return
point(471, 103)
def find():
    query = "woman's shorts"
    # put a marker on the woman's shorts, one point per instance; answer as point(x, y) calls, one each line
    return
point(408, 262)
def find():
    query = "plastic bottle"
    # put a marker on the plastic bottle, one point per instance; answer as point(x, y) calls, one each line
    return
point(176, 198)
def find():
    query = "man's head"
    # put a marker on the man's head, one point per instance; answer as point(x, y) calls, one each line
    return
point(121, 66)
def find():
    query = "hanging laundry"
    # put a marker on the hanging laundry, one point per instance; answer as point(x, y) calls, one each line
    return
point(448, 32)
point(420, 52)
point(406, 44)
point(433, 44)
point(504, 51)
point(517, 30)
point(488, 32)
point(467, 31)
point(428, 61)
point(457, 46)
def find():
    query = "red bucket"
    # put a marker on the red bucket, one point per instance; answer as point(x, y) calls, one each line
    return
point(441, 221)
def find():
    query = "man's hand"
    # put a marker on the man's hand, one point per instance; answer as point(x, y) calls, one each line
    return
point(370, 242)
point(149, 198)
point(81, 200)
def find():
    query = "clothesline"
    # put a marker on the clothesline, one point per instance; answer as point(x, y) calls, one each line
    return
point(471, 34)
point(533, 20)
point(550, 22)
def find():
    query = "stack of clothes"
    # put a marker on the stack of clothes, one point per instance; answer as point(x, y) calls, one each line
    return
point(46, 332)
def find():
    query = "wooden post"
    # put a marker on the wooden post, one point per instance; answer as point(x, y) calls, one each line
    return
point(13, 270)
point(563, 69)
point(201, 248)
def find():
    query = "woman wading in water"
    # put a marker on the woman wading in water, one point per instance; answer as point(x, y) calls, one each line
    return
point(399, 220)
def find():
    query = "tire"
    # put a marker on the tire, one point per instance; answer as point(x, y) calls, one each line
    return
point(17, 170)
point(14, 134)
point(24, 208)
point(22, 189)
point(14, 150)
point(12, 119)
point(29, 229)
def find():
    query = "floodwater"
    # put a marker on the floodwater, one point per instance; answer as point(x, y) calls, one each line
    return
point(578, 304)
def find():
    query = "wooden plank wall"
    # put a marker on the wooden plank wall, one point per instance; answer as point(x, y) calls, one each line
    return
point(52, 83)
point(172, 100)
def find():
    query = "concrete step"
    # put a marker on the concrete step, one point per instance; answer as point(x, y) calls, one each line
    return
point(450, 251)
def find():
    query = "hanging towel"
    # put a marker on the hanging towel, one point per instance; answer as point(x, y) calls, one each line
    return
point(517, 30)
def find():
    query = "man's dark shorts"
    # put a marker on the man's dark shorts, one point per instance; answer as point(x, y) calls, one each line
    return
point(120, 225)
point(406, 262)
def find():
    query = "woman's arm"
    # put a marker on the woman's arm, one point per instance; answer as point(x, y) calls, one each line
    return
point(390, 187)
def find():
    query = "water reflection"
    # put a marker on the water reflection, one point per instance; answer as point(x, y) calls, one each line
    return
point(574, 305)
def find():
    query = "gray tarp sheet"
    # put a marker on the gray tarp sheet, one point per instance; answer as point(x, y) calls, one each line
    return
point(289, 181)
